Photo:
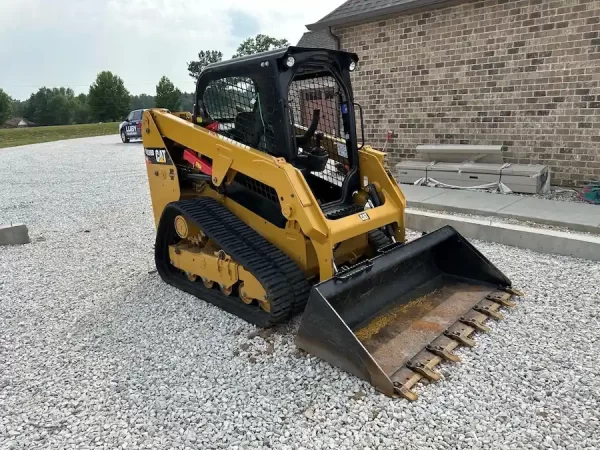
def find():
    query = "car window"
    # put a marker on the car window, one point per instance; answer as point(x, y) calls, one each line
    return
point(130, 116)
point(137, 115)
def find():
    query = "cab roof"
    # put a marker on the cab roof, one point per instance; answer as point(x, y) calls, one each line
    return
point(280, 54)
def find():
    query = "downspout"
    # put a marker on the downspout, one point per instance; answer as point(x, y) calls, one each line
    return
point(335, 37)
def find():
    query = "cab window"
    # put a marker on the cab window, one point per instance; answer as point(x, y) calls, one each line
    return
point(241, 112)
point(137, 115)
point(226, 98)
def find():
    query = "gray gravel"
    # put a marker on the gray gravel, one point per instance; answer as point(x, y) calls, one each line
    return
point(96, 352)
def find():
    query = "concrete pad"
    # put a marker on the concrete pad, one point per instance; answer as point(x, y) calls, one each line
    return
point(469, 202)
point(575, 216)
point(536, 239)
point(417, 194)
point(14, 234)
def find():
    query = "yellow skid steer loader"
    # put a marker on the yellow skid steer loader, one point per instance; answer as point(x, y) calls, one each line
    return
point(267, 204)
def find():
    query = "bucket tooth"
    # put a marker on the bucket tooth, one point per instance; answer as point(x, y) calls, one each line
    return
point(489, 308)
point(403, 382)
point(476, 320)
point(475, 324)
point(424, 363)
point(422, 369)
point(503, 298)
point(405, 392)
point(513, 291)
point(461, 333)
point(444, 347)
point(443, 352)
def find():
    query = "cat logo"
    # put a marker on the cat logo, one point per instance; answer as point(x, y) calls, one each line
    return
point(160, 156)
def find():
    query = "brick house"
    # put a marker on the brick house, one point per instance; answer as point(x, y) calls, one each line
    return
point(523, 73)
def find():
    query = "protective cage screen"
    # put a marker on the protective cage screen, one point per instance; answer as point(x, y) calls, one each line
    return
point(242, 114)
point(245, 116)
point(321, 93)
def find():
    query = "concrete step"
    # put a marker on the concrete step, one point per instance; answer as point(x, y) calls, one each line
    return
point(14, 234)
point(538, 239)
point(571, 215)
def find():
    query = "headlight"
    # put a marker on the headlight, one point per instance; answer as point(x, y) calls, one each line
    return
point(352, 66)
point(290, 61)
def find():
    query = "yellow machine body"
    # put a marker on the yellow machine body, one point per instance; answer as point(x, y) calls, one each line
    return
point(245, 220)
point(308, 237)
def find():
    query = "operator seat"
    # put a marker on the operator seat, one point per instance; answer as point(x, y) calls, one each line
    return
point(248, 128)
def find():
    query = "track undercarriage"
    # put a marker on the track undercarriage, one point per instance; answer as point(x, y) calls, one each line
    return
point(205, 250)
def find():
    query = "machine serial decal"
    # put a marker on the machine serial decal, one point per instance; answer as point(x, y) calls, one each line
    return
point(364, 216)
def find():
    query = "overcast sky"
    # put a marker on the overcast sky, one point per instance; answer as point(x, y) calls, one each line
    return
point(67, 42)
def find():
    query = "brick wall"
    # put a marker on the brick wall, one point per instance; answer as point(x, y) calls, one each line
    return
point(524, 73)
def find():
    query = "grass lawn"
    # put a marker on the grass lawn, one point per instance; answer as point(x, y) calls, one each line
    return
point(11, 137)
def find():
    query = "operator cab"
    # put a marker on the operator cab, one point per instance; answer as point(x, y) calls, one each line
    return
point(294, 103)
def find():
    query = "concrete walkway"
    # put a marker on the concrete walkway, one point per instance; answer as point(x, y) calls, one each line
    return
point(575, 216)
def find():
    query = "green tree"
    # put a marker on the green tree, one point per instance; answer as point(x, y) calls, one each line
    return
point(205, 57)
point(142, 101)
point(37, 109)
point(259, 43)
point(167, 95)
point(83, 113)
point(187, 101)
point(18, 108)
point(108, 98)
point(5, 107)
point(62, 102)
point(54, 106)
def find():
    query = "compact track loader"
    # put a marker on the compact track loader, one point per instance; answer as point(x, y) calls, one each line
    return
point(267, 204)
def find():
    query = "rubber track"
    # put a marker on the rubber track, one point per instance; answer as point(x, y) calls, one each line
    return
point(284, 282)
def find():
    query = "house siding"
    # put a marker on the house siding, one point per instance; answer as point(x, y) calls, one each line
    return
point(523, 73)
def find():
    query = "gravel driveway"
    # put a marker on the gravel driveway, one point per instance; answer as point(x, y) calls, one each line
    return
point(96, 352)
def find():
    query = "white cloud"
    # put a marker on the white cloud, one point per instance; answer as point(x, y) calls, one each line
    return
point(66, 42)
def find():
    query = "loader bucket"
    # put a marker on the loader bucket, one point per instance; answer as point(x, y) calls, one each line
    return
point(392, 319)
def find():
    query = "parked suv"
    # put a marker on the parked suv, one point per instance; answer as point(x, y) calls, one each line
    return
point(131, 128)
